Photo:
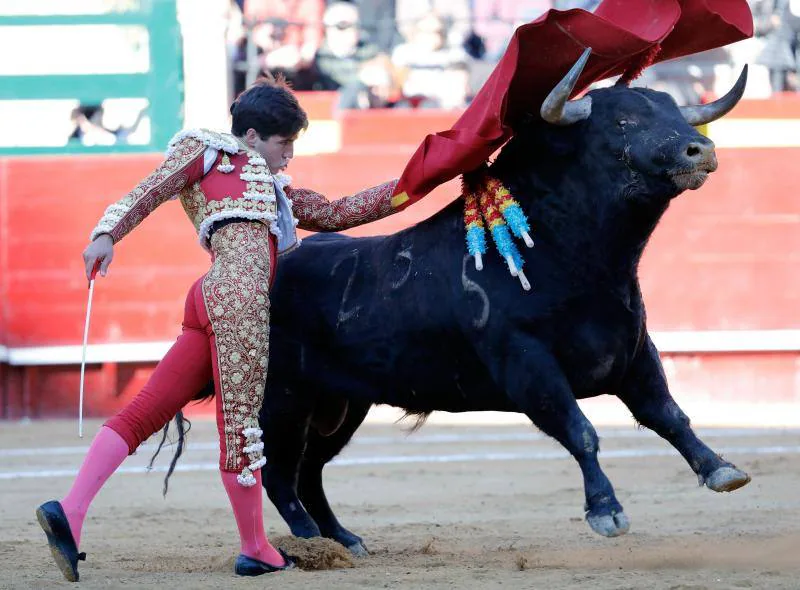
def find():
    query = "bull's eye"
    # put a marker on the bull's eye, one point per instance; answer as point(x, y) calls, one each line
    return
point(622, 122)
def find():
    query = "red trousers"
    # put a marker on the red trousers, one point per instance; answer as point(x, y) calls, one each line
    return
point(225, 337)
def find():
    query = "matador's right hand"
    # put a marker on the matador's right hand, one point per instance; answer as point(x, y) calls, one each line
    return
point(102, 249)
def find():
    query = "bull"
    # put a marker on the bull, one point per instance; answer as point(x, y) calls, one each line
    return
point(406, 320)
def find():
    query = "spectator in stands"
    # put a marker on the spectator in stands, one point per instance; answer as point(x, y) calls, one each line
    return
point(89, 128)
point(434, 74)
point(92, 126)
point(287, 35)
point(779, 22)
point(456, 17)
point(379, 87)
point(342, 54)
point(378, 23)
point(496, 20)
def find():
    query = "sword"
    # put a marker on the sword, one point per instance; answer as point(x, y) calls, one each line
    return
point(95, 268)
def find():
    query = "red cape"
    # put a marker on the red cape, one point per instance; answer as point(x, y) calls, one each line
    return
point(620, 33)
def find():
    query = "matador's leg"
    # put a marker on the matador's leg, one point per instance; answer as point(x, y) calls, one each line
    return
point(236, 294)
point(176, 379)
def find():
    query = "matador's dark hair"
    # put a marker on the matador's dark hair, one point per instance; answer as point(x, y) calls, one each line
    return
point(270, 107)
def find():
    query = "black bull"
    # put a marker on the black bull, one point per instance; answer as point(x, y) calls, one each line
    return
point(406, 320)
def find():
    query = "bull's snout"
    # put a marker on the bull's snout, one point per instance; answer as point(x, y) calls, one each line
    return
point(700, 155)
point(694, 163)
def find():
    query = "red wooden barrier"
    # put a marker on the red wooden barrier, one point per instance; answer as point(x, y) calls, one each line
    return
point(726, 257)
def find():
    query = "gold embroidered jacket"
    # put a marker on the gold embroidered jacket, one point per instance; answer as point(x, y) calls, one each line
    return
point(217, 177)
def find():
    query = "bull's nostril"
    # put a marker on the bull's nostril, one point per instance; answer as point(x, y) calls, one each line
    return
point(693, 150)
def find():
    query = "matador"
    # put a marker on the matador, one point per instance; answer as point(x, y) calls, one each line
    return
point(245, 211)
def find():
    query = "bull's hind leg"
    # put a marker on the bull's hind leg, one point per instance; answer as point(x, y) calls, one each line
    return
point(285, 421)
point(534, 381)
point(319, 451)
point(646, 393)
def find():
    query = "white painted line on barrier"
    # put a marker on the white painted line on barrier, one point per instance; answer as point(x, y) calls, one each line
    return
point(755, 133)
point(698, 341)
point(422, 459)
point(3, 354)
point(130, 352)
point(427, 439)
point(727, 341)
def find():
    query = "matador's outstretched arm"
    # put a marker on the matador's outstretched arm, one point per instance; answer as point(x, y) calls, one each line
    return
point(316, 213)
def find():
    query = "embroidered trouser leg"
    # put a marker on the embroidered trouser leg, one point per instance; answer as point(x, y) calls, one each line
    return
point(236, 295)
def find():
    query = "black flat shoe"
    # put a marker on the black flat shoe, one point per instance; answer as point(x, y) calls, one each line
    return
point(247, 566)
point(54, 522)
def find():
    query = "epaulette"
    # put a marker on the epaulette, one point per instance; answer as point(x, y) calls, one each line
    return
point(213, 139)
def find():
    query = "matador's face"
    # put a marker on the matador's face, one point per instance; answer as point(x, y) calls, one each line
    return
point(277, 150)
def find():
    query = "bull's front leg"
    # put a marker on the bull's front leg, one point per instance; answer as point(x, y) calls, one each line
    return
point(646, 393)
point(535, 382)
point(285, 425)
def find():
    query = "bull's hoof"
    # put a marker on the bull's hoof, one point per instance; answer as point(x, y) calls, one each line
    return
point(358, 550)
point(609, 525)
point(727, 479)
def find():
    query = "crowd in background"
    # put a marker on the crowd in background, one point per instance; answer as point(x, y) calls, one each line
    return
point(381, 53)
point(437, 53)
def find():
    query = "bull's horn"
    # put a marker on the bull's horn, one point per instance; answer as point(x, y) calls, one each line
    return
point(702, 114)
point(557, 108)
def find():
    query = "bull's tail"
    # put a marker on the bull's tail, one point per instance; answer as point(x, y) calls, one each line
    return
point(419, 417)
point(183, 426)
point(205, 394)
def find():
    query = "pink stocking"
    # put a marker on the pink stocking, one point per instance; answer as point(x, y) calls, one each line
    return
point(107, 452)
point(246, 504)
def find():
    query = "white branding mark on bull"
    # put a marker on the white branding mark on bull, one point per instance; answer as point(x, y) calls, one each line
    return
point(471, 286)
point(345, 315)
point(406, 255)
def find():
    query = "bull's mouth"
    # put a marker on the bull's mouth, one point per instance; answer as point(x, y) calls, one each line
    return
point(693, 178)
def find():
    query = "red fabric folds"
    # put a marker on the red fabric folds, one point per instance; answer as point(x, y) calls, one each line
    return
point(620, 33)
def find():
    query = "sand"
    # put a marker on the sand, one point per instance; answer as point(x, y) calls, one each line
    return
point(448, 507)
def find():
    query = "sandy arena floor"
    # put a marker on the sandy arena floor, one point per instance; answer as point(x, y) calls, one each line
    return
point(448, 507)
